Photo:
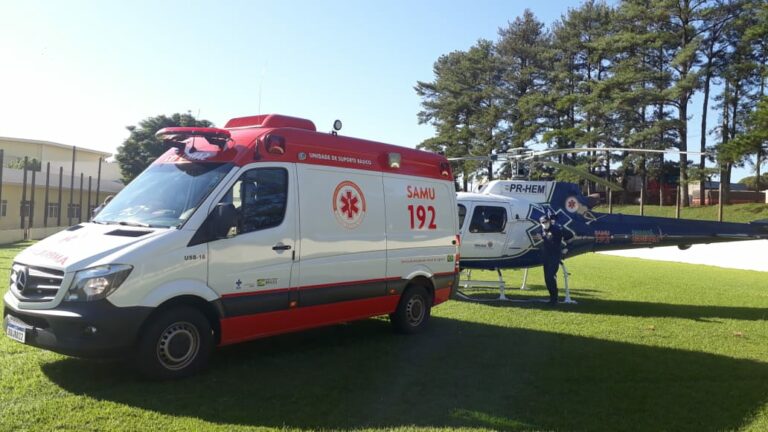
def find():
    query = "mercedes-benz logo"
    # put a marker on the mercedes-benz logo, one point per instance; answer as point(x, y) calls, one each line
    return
point(22, 276)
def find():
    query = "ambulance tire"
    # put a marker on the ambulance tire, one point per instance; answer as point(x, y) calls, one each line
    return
point(413, 311)
point(177, 343)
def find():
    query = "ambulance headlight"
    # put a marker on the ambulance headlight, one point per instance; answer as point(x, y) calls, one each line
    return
point(98, 282)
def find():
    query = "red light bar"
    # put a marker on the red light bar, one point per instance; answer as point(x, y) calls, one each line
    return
point(174, 135)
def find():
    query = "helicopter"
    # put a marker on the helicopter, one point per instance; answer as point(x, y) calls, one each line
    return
point(499, 225)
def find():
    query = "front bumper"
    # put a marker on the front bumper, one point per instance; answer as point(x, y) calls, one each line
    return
point(67, 329)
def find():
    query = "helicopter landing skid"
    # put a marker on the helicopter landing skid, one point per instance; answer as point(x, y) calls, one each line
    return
point(467, 284)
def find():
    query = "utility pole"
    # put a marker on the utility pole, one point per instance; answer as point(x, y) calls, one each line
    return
point(720, 201)
point(80, 202)
point(24, 196)
point(31, 220)
point(71, 189)
point(88, 210)
point(47, 185)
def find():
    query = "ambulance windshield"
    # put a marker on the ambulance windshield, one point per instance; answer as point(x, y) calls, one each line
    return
point(163, 196)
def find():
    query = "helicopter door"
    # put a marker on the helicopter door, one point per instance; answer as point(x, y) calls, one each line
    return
point(486, 235)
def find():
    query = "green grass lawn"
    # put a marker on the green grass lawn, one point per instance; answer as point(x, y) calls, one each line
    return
point(650, 346)
point(731, 213)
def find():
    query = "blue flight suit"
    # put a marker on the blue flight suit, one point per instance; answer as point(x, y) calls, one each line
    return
point(551, 249)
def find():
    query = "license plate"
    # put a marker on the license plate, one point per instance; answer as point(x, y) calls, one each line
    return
point(15, 331)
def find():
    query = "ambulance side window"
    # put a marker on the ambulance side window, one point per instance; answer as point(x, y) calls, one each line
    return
point(260, 197)
point(488, 219)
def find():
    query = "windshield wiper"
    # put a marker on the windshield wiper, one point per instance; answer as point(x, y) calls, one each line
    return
point(130, 224)
point(134, 224)
point(105, 222)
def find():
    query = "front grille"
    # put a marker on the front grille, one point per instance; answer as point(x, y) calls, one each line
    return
point(35, 284)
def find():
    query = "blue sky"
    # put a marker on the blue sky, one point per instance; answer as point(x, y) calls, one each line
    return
point(78, 72)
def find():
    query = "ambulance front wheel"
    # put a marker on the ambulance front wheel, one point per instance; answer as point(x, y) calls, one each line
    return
point(412, 313)
point(176, 343)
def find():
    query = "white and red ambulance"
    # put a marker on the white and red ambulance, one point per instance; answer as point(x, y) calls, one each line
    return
point(263, 227)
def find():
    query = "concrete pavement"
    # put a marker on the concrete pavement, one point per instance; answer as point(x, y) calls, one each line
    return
point(746, 255)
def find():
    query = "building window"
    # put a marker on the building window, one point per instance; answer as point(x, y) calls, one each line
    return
point(3, 207)
point(53, 210)
point(24, 208)
point(73, 211)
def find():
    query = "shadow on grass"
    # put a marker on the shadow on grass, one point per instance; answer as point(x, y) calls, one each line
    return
point(693, 312)
point(588, 304)
point(456, 374)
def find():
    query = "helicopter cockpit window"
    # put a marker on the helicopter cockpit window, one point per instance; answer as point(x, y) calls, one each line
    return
point(462, 215)
point(488, 219)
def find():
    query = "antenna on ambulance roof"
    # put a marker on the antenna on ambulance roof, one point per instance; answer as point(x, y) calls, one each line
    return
point(192, 148)
point(336, 127)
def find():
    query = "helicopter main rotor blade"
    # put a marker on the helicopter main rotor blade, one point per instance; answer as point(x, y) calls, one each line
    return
point(470, 158)
point(611, 149)
point(520, 154)
point(584, 175)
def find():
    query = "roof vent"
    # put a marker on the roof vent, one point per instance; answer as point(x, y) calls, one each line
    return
point(271, 121)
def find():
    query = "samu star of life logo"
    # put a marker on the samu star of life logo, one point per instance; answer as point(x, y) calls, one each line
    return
point(572, 204)
point(349, 204)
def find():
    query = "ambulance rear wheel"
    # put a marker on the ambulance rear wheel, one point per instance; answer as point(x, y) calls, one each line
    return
point(413, 311)
point(177, 343)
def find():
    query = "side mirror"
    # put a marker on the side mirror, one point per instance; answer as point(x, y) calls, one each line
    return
point(216, 225)
point(98, 209)
point(221, 220)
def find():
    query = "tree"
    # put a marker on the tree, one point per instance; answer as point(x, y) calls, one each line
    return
point(637, 90)
point(141, 147)
point(608, 76)
point(462, 104)
point(754, 140)
point(685, 29)
point(523, 48)
point(580, 63)
point(742, 87)
point(32, 164)
point(751, 181)
point(715, 21)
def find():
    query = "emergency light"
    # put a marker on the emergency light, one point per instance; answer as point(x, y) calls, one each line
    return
point(275, 144)
point(445, 169)
point(176, 136)
point(394, 160)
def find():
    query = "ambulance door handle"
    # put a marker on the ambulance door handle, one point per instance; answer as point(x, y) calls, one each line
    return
point(281, 247)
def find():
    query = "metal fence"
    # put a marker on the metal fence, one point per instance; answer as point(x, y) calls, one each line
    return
point(31, 226)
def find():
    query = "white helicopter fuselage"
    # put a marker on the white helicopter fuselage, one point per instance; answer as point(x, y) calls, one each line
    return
point(493, 226)
point(499, 226)
point(497, 222)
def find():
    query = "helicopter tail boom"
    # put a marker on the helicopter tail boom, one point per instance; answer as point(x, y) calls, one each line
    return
point(612, 232)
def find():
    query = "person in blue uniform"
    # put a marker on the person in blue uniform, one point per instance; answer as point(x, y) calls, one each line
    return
point(552, 250)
